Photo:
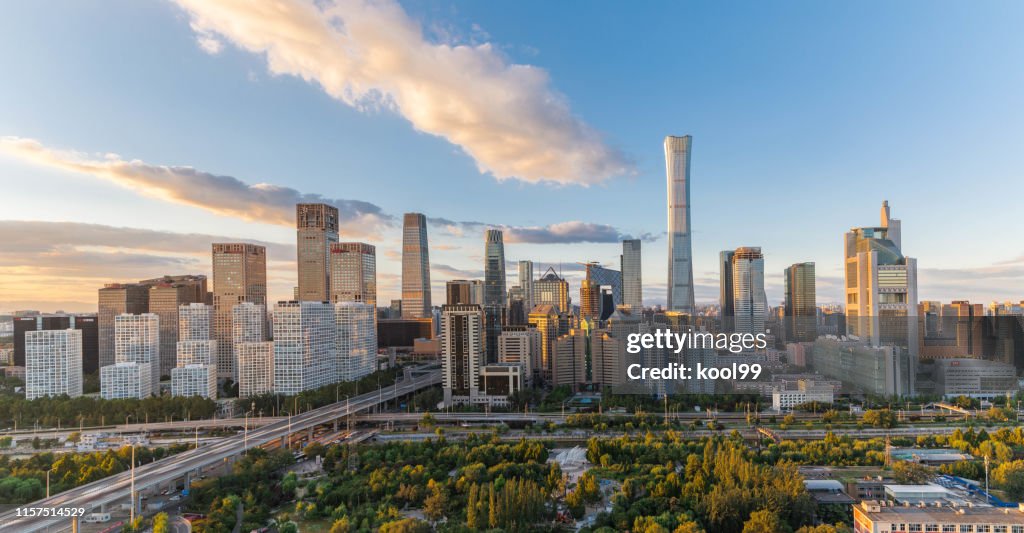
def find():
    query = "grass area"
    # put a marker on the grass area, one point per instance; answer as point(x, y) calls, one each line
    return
point(322, 525)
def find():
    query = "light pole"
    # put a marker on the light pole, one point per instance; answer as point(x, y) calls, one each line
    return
point(132, 516)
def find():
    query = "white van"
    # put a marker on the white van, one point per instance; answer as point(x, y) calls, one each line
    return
point(93, 518)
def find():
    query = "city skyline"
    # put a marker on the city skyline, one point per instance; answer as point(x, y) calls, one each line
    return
point(144, 219)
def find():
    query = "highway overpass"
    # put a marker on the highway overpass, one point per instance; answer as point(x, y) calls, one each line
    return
point(117, 488)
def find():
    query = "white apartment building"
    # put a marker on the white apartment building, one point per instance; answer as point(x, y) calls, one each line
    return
point(304, 345)
point(194, 380)
point(53, 363)
point(255, 368)
point(195, 322)
point(126, 380)
point(355, 340)
point(137, 340)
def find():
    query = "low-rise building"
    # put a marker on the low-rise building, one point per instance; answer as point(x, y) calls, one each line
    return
point(499, 381)
point(884, 517)
point(803, 391)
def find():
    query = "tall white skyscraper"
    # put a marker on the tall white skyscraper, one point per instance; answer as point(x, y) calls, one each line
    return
point(526, 284)
point(632, 287)
point(356, 340)
point(137, 340)
point(53, 363)
point(255, 368)
point(304, 337)
point(680, 247)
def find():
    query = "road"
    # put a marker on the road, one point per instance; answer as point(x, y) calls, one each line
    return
point(118, 487)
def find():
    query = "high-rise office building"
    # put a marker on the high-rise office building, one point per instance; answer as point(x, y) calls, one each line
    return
point(464, 292)
point(356, 340)
point(801, 308)
point(725, 286)
point(881, 285)
point(126, 380)
point(354, 273)
point(415, 267)
point(749, 303)
point(606, 360)
point(526, 284)
point(601, 277)
point(304, 337)
point(462, 352)
point(570, 359)
point(53, 363)
point(239, 275)
point(137, 340)
point(520, 345)
point(632, 286)
point(552, 289)
point(166, 295)
point(116, 299)
point(590, 300)
point(516, 315)
point(680, 247)
point(495, 291)
point(255, 368)
point(494, 269)
point(316, 229)
point(545, 318)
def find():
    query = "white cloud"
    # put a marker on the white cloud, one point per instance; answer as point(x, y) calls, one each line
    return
point(224, 195)
point(370, 54)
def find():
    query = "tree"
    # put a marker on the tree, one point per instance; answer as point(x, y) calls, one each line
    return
point(405, 525)
point(764, 521)
point(314, 449)
point(160, 523)
point(688, 526)
point(880, 418)
point(341, 525)
point(910, 473)
point(1010, 478)
point(434, 505)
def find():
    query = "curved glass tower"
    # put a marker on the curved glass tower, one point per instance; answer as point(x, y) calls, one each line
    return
point(680, 250)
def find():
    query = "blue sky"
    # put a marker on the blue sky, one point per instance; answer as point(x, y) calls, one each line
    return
point(805, 116)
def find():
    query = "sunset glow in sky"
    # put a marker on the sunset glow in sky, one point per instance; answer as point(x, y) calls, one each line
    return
point(134, 134)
